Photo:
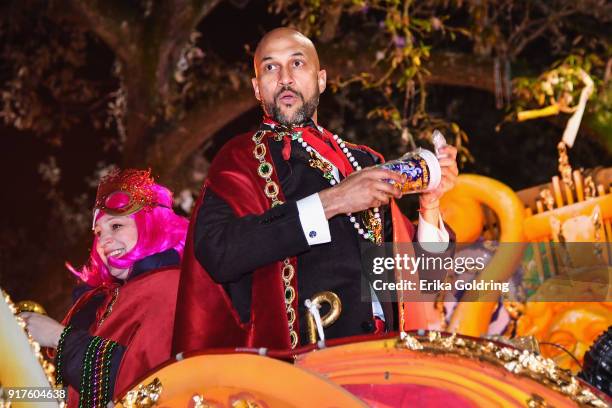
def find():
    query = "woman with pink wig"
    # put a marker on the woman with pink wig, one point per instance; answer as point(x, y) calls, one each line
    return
point(120, 326)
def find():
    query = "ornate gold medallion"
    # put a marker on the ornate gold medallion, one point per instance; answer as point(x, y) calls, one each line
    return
point(374, 226)
point(109, 308)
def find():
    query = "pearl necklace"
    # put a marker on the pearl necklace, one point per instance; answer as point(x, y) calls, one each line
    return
point(367, 233)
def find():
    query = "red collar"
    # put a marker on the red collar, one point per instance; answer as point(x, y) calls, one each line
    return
point(318, 138)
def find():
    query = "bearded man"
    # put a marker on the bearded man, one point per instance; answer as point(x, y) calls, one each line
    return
point(282, 215)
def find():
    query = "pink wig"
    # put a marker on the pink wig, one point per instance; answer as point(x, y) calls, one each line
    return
point(159, 229)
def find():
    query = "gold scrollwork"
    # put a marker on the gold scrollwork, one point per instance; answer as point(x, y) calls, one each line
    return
point(536, 401)
point(200, 402)
point(245, 403)
point(145, 396)
point(319, 163)
point(522, 363)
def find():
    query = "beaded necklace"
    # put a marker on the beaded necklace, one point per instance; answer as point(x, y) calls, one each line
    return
point(109, 307)
point(371, 229)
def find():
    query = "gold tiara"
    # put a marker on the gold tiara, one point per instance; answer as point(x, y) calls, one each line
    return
point(136, 184)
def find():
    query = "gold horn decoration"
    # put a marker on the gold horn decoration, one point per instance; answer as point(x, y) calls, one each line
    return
point(30, 306)
point(329, 318)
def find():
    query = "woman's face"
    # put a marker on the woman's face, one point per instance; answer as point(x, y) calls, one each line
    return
point(117, 235)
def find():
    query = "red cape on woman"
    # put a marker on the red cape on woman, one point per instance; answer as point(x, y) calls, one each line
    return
point(141, 319)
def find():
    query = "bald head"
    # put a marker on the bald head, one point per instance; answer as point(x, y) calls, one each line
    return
point(280, 39)
point(288, 79)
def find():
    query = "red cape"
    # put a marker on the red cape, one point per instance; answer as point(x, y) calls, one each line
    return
point(141, 319)
point(205, 315)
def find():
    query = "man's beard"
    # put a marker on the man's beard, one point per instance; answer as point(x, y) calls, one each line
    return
point(301, 115)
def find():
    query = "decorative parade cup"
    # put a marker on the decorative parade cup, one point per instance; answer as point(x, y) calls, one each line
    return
point(419, 169)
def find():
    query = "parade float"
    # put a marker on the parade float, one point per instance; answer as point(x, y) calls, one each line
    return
point(525, 349)
point(455, 354)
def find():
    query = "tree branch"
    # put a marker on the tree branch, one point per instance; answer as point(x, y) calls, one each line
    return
point(205, 7)
point(332, 18)
point(155, 39)
point(172, 148)
point(115, 22)
point(200, 124)
point(179, 21)
point(542, 24)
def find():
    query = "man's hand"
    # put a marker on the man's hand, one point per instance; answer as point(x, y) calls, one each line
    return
point(430, 201)
point(359, 191)
point(43, 329)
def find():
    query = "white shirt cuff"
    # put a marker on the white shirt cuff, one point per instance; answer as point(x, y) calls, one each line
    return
point(433, 239)
point(313, 220)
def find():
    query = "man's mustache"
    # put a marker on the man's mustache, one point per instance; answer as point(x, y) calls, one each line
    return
point(288, 88)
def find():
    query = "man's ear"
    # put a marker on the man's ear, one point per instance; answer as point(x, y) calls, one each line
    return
point(322, 80)
point(256, 89)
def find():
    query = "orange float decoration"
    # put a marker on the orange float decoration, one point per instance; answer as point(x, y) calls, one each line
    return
point(538, 226)
point(558, 325)
point(572, 325)
point(421, 369)
point(471, 317)
point(574, 213)
point(436, 370)
point(464, 214)
point(236, 380)
point(470, 192)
